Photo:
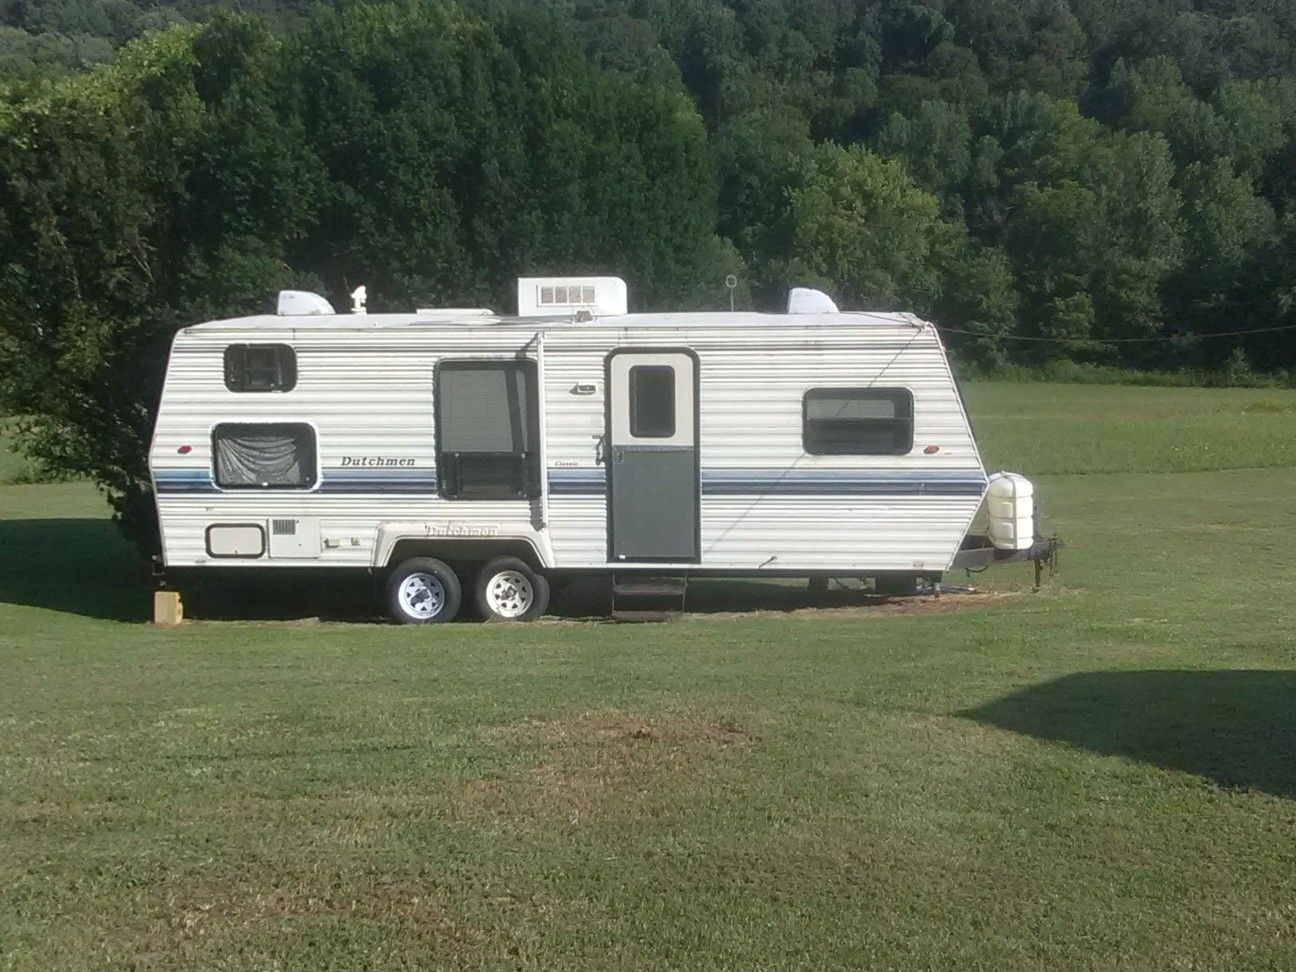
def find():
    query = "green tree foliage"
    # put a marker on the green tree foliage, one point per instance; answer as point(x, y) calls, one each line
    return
point(860, 226)
point(416, 147)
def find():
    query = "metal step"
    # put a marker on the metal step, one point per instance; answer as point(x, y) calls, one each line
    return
point(647, 598)
point(650, 587)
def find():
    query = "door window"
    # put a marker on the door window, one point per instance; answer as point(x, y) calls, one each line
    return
point(652, 401)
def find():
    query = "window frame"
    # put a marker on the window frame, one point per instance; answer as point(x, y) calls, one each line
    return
point(287, 377)
point(256, 487)
point(859, 393)
point(448, 472)
point(633, 401)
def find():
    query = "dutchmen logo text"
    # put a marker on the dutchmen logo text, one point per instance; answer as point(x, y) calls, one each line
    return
point(376, 461)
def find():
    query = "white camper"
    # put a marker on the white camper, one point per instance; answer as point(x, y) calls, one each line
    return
point(470, 456)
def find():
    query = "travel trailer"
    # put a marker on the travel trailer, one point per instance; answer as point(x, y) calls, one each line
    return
point(469, 457)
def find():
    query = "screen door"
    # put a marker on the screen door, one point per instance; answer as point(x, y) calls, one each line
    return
point(652, 456)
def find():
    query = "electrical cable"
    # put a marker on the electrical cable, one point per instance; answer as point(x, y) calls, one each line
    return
point(1163, 339)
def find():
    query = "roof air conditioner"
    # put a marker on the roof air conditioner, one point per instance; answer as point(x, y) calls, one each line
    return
point(568, 296)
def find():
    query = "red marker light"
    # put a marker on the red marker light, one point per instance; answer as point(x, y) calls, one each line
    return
point(185, 450)
point(932, 450)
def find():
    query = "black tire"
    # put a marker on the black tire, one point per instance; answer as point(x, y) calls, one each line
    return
point(494, 583)
point(399, 607)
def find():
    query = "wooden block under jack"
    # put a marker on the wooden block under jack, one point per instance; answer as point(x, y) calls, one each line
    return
point(167, 608)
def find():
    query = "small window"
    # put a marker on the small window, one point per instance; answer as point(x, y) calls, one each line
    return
point(486, 430)
point(269, 455)
point(858, 421)
point(652, 401)
point(260, 368)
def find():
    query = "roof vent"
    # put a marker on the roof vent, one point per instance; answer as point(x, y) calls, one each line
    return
point(566, 296)
point(302, 303)
point(807, 300)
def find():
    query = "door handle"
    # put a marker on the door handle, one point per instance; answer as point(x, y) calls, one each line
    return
point(600, 454)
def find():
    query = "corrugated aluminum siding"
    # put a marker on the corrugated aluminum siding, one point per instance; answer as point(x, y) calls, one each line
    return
point(765, 503)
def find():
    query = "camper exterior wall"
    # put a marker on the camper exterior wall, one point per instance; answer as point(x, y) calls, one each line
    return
point(765, 503)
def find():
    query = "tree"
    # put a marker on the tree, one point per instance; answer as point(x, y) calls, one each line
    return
point(863, 228)
point(426, 152)
point(935, 144)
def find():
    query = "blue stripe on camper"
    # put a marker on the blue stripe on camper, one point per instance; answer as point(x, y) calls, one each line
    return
point(183, 481)
point(593, 482)
point(378, 480)
point(336, 480)
point(797, 482)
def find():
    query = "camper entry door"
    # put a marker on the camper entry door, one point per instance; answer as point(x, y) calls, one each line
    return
point(652, 455)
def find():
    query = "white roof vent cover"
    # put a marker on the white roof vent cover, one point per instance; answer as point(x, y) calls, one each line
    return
point(807, 300)
point(568, 296)
point(301, 303)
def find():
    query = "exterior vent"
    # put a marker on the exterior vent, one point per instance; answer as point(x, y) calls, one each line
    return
point(301, 303)
point(568, 296)
point(807, 300)
point(283, 528)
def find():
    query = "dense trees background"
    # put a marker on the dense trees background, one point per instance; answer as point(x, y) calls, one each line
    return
point(1049, 179)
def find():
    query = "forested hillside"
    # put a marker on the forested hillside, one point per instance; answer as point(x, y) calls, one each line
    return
point(1090, 180)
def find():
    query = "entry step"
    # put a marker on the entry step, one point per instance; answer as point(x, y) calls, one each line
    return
point(647, 598)
point(650, 586)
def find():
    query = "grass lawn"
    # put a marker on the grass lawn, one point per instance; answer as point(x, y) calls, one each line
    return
point(1098, 776)
point(14, 468)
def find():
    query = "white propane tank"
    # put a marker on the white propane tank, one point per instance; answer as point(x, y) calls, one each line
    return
point(1010, 501)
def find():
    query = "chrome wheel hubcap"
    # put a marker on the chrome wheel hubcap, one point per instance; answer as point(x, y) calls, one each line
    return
point(510, 594)
point(422, 596)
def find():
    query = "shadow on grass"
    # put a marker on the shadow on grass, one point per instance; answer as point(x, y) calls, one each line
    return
point(1236, 728)
point(83, 566)
point(591, 598)
point(77, 566)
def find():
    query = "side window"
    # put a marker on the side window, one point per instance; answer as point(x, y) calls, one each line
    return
point(857, 421)
point(260, 368)
point(264, 455)
point(652, 401)
point(487, 430)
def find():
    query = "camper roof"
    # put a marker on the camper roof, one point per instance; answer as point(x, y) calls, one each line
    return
point(438, 319)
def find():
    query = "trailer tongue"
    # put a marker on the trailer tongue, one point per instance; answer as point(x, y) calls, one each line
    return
point(1012, 532)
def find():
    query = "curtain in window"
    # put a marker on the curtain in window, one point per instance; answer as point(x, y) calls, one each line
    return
point(264, 455)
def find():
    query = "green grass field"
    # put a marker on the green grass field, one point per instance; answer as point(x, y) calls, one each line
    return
point(1098, 776)
point(14, 468)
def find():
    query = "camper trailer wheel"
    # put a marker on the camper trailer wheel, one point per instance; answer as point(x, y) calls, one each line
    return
point(422, 591)
point(509, 590)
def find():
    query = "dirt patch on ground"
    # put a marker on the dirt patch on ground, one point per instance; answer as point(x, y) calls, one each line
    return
point(593, 764)
point(202, 918)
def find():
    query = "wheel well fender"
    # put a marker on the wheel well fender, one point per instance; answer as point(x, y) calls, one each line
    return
point(468, 552)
